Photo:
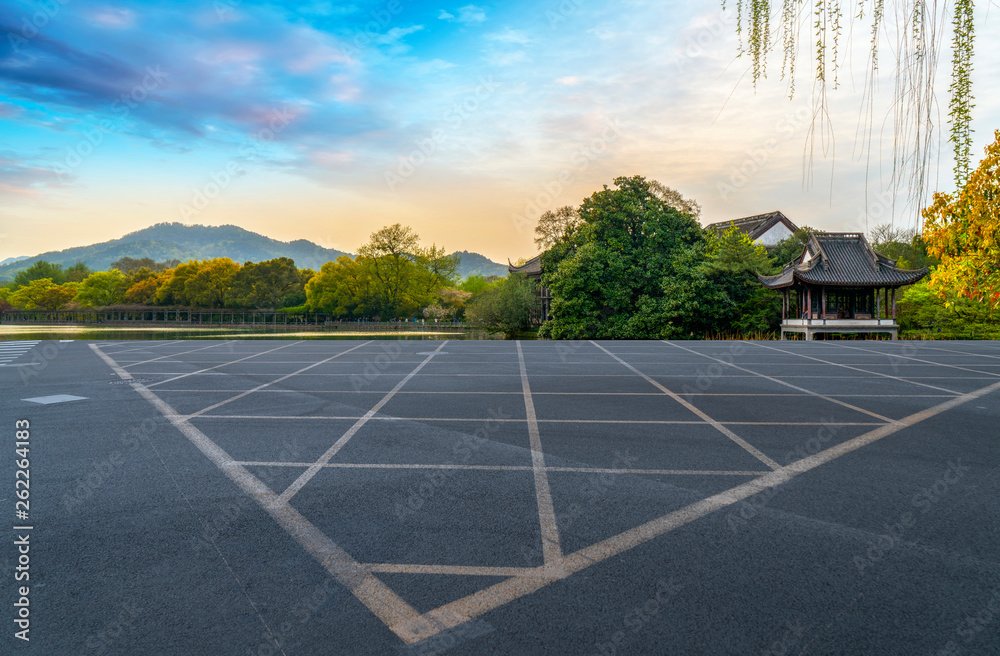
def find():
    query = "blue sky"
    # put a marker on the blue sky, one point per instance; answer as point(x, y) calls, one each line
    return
point(328, 120)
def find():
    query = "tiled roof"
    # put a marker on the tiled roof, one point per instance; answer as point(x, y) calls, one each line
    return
point(755, 225)
point(532, 267)
point(843, 258)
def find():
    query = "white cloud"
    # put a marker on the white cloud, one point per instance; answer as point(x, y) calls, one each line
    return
point(113, 18)
point(510, 36)
point(569, 81)
point(444, 15)
point(471, 14)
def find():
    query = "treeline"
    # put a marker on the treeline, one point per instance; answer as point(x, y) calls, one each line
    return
point(392, 277)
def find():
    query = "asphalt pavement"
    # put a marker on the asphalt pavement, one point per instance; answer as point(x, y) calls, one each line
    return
point(499, 497)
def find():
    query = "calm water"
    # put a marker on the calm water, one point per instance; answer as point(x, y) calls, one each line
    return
point(93, 333)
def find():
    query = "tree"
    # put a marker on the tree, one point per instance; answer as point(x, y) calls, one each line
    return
point(791, 247)
point(917, 40)
point(614, 260)
point(142, 284)
point(964, 231)
point(556, 226)
point(265, 284)
point(391, 254)
point(127, 264)
point(506, 307)
point(343, 288)
point(78, 272)
point(41, 270)
point(43, 294)
point(209, 286)
point(734, 252)
point(102, 288)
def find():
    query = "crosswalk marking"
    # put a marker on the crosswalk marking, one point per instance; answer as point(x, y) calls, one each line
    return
point(10, 351)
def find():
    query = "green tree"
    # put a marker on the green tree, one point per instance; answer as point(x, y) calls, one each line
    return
point(614, 262)
point(506, 307)
point(209, 286)
point(791, 247)
point(475, 284)
point(78, 272)
point(556, 226)
point(102, 288)
point(40, 270)
point(343, 288)
point(265, 284)
point(43, 294)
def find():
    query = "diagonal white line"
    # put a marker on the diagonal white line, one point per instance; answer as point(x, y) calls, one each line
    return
point(399, 616)
point(474, 605)
point(278, 380)
point(315, 468)
point(847, 366)
point(146, 347)
point(551, 548)
point(938, 364)
point(170, 355)
point(224, 364)
point(787, 384)
point(749, 448)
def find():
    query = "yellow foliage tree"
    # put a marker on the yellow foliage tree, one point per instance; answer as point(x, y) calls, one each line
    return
point(964, 231)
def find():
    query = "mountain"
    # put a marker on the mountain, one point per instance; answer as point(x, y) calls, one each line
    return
point(176, 241)
point(474, 264)
point(11, 260)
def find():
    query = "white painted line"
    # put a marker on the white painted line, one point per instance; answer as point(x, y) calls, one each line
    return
point(795, 387)
point(201, 371)
point(577, 470)
point(938, 364)
point(627, 422)
point(749, 448)
point(453, 570)
point(277, 380)
point(339, 444)
point(474, 605)
point(551, 549)
point(170, 355)
point(845, 366)
point(398, 615)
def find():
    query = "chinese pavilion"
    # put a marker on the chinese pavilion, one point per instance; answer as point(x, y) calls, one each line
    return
point(840, 284)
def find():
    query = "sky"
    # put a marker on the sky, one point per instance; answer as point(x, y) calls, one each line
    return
point(328, 120)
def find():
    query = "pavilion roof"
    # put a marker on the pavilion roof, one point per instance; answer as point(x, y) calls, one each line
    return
point(842, 259)
point(532, 267)
point(754, 226)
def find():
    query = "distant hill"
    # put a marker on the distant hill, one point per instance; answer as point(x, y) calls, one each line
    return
point(474, 264)
point(10, 260)
point(176, 241)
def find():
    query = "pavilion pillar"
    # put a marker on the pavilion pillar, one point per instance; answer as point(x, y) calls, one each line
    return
point(784, 304)
point(809, 303)
point(894, 305)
